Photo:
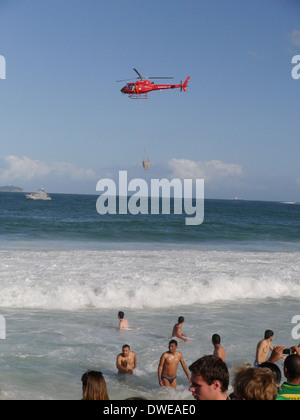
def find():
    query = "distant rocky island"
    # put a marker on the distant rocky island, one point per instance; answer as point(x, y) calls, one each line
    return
point(11, 188)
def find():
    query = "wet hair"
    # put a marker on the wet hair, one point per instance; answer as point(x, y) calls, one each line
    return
point(125, 346)
point(216, 339)
point(180, 319)
point(268, 334)
point(173, 342)
point(121, 314)
point(211, 368)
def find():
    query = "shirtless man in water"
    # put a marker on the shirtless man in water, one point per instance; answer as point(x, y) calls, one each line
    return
point(177, 330)
point(123, 322)
point(167, 368)
point(219, 351)
point(126, 361)
point(263, 348)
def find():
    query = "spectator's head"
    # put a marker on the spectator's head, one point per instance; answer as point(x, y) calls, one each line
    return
point(93, 386)
point(255, 384)
point(292, 368)
point(209, 378)
point(275, 369)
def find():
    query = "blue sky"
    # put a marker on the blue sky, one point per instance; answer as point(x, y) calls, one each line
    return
point(65, 124)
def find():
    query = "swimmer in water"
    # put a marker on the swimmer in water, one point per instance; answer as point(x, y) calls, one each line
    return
point(177, 330)
point(126, 361)
point(123, 322)
point(219, 350)
point(167, 368)
point(263, 348)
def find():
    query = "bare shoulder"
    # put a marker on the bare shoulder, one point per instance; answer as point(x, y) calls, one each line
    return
point(163, 357)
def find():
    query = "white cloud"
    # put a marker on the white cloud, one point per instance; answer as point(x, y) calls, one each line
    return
point(72, 171)
point(15, 168)
point(211, 171)
point(295, 37)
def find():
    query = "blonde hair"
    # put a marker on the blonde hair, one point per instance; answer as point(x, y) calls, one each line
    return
point(94, 386)
point(255, 383)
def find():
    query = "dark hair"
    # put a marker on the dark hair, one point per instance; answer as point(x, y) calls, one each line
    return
point(292, 366)
point(211, 368)
point(125, 345)
point(216, 339)
point(274, 368)
point(180, 319)
point(173, 342)
point(268, 334)
point(121, 314)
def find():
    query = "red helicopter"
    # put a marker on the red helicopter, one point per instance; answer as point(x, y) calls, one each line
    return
point(140, 88)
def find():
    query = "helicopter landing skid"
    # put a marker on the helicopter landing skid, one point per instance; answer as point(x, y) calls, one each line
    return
point(138, 96)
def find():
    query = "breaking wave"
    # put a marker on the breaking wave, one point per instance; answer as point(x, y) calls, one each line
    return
point(74, 280)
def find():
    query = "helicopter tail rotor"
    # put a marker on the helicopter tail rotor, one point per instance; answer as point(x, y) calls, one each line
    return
point(184, 85)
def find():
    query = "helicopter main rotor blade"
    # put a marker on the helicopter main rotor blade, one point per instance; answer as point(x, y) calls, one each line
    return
point(148, 77)
point(126, 80)
point(145, 77)
point(141, 77)
point(159, 77)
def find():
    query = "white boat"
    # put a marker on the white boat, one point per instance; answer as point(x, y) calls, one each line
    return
point(38, 195)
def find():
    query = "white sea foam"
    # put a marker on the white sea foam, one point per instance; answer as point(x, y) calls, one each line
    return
point(72, 280)
point(61, 314)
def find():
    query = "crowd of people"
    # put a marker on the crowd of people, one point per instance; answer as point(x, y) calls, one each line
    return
point(209, 375)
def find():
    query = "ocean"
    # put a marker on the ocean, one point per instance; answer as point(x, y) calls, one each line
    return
point(66, 271)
